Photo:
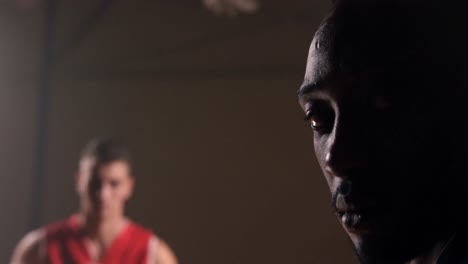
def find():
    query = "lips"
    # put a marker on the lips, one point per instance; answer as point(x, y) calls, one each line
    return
point(358, 215)
point(351, 220)
point(359, 222)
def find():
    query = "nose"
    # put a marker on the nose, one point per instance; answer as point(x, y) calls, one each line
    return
point(347, 149)
point(103, 193)
point(99, 192)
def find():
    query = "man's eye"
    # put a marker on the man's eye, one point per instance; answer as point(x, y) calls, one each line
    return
point(321, 119)
point(315, 124)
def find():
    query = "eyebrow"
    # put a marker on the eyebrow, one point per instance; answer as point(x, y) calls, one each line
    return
point(314, 86)
point(318, 84)
point(308, 88)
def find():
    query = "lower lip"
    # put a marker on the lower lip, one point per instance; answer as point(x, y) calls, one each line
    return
point(357, 222)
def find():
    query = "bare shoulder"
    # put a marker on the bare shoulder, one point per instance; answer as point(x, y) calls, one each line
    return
point(163, 254)
point(31, 249)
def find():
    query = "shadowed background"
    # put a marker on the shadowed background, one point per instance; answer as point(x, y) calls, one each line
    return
point(224, 163)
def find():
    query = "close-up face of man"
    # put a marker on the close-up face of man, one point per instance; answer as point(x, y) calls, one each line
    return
point(380, 95)
point(104, 189)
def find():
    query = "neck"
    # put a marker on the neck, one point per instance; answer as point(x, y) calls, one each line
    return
point(102, 229)
point(432, 256)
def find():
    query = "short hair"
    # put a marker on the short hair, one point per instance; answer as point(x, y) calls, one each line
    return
point(104, 151)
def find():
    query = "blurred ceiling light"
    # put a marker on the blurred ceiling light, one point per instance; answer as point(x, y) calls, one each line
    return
point(231, 8)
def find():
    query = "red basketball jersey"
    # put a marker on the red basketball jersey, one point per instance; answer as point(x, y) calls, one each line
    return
point(66, 245)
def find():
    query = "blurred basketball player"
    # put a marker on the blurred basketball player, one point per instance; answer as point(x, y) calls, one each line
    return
point(99, 232)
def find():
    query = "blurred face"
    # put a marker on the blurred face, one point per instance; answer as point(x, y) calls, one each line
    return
point(384, 139)
point(104, 189)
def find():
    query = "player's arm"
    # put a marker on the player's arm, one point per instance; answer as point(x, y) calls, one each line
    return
point(161, 253)
point(31, 249)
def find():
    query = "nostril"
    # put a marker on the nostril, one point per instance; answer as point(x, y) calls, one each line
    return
point(345, 188)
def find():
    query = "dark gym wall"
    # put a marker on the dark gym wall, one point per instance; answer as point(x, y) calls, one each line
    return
point(224, 163)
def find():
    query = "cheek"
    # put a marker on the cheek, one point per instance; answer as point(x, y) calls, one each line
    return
point(321, 151)
point(121, 193)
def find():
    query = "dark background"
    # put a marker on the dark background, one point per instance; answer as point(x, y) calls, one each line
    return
point(224, 163)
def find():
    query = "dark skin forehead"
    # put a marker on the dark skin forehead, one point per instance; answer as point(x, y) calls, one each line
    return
point(367, 41)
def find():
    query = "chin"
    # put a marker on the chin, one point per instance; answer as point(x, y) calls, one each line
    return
point(392, 247)
point(377, 250)
point(99, 214)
